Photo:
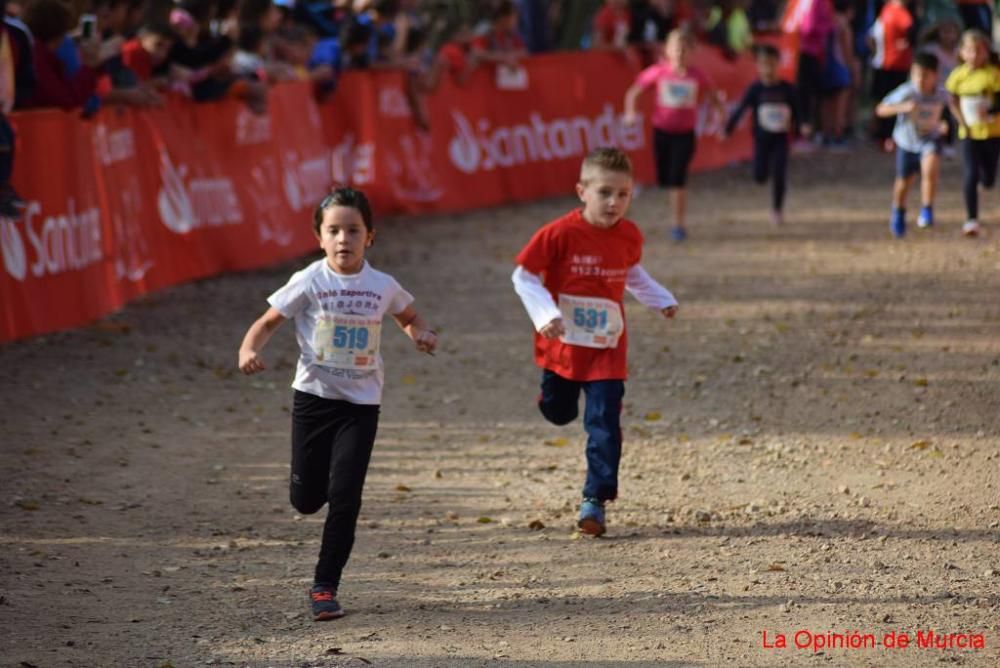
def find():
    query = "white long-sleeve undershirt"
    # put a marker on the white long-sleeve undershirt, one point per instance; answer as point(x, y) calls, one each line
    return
point(646, 290)
point(542, 309)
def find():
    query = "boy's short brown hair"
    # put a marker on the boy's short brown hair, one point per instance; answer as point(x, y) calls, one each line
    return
point(607, 158)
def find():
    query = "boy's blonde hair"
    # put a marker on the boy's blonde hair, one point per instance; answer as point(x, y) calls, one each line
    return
point(608, 159)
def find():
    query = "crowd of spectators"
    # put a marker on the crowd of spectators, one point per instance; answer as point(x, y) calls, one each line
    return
point(85, 54)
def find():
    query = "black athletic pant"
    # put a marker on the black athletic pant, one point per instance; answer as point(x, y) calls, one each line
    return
point(770, 158)
point(331, 445)
point(979, 165)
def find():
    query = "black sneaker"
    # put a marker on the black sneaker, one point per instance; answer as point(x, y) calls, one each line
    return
point(324, 603)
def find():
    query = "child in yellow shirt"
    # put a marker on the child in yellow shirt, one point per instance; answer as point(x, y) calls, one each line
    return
point(974, 86)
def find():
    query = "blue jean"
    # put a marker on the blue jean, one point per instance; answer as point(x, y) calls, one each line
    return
point(560, 404)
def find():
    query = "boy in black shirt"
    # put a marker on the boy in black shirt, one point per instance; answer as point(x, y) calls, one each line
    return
point(775, 115)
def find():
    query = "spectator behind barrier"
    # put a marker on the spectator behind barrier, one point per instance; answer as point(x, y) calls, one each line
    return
point(200, 59)
point(501, 43)
point(149, 50)
point(50, 22)
point(19, 81)
point(728, 28)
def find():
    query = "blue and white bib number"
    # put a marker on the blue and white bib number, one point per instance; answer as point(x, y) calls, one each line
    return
point(975, 108)
point(679, 94)
point(591, 322)
point(927, 117)
point(347, 341)
point(774, 116)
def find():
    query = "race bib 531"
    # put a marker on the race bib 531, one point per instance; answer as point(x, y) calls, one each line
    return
point(591, 322)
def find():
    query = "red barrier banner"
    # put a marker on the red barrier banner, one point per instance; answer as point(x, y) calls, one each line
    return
point(134, 201)
point(489, 146)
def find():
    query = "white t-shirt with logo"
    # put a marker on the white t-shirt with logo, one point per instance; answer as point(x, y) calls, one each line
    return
point(338, 320)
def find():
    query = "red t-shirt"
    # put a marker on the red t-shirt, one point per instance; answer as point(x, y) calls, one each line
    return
point(678, 96)
point(137, 59)
point(613, 24)
point(582, 260)
point(891, 33)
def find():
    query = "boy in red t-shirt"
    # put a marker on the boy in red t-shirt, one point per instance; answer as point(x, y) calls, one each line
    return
point(571, 278)
point(681, 88)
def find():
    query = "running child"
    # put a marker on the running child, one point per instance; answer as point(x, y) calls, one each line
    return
point(974, 86)
point(338, 304)
point(571, 278)
point(681, 88)
point(774, 103)
point(918, 106)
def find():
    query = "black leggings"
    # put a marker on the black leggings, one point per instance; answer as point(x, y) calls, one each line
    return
point(770, 157)
point(673, 152)
point(979, 166)
point(331, 445)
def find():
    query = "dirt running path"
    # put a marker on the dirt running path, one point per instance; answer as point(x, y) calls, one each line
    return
point(813, 444)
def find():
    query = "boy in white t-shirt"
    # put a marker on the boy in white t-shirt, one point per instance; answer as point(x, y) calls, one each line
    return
point(338, 304)
point(918, 106)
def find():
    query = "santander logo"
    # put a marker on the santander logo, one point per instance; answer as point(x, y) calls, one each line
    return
point(198, 202)
point(14, 257)
point(63, 242)
point(481, 147)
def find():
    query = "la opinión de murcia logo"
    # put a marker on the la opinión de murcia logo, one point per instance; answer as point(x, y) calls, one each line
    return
point(63, 242)
point(924, 639)
point(482, 147)
point(198, 202)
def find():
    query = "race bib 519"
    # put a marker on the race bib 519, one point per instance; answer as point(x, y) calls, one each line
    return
point(347, 341)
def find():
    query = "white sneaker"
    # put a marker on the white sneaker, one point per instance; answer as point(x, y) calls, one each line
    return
point(777, 218)
point(971, 228)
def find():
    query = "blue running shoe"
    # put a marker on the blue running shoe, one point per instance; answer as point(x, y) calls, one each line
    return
point(679, 234)
point(591, 520)
point(926, 217)
point(324, 603)
point(897, 222)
